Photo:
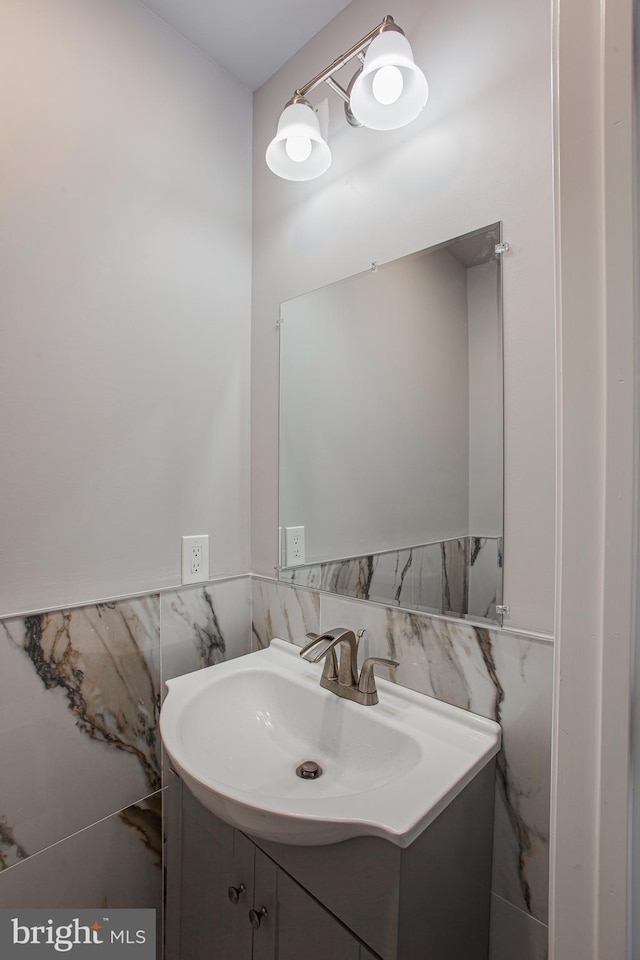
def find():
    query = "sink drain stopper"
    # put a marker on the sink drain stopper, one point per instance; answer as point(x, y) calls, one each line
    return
point(309, 770)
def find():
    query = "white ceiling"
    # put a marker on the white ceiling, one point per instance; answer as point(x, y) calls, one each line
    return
point(249, 38)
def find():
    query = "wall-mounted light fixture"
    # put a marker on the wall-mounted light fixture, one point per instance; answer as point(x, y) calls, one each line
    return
point(387, 91)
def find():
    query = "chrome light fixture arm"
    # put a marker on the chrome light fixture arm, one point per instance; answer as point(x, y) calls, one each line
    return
point(326, 75)
point(387, 91)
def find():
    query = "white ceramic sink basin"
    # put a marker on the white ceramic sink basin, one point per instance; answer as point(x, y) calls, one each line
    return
point(236, 733)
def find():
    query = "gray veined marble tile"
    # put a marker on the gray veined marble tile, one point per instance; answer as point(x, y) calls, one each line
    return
point(386, 577)
point(113, 863)
point(456, 577)
point(280, 610)
point(306, 575)
point(455, 595)
point(515, 935)
point(496, 675)
point(10, 850)
point(427, 574)
point(524, 672)
point(351, 578)
point(145, 820)
point(392, 578)
point(204, 624)
point(78, 723)
point(232, 603)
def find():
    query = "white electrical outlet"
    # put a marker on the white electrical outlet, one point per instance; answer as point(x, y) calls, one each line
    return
point(294, 545)
point(195, 559)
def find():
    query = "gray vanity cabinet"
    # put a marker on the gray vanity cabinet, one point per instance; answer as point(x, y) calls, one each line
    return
point(360, 899)
point(205, 858)
point(216, 876)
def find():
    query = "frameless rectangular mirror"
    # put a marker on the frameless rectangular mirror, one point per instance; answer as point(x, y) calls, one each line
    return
point(391, 439)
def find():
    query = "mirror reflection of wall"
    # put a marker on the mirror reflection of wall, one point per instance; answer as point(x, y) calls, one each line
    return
point(391, 432)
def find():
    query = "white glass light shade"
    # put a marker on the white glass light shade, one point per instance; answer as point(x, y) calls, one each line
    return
point(298, 123)
point(388, 49)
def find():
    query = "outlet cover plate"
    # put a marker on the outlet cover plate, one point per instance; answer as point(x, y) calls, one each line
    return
point(294, 545)
point(195, 558)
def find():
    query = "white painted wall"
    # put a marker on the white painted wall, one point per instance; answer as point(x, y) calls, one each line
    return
point(125, 186)
point(374, 423)
point(480, 152)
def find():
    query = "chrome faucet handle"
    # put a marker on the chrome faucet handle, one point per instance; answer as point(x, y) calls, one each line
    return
point(367, 683)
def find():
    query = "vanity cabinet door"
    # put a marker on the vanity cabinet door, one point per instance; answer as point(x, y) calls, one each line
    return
point(299, 927)
point(265, 899)
point(217, 862)
point(227, 900)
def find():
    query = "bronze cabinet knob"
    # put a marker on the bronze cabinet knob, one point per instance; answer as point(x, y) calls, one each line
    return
point(234, 893)
point(255, 917)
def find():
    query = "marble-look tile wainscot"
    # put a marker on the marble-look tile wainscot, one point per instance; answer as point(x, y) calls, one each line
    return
point(460, 578)
point(81, 812)
point(515, 935)
point(491, 672)
point(80, 691)
point(204, 624)
point(80, 816)
point(116, 862)
point(279, 610)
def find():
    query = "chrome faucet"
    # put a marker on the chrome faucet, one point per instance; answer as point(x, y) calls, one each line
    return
point(340, 674)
